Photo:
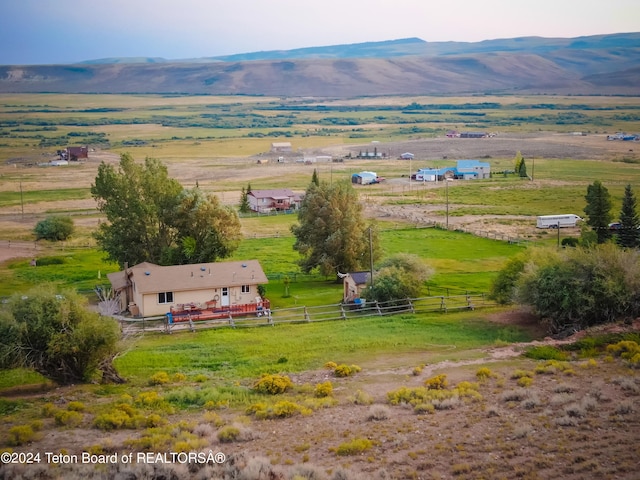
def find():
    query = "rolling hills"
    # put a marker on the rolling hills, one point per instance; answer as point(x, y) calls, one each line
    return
point(603, 64)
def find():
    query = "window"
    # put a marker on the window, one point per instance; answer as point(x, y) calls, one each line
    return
point(165, 297)
point(246, 289)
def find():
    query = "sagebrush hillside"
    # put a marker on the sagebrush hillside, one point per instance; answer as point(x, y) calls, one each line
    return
point(604, 64)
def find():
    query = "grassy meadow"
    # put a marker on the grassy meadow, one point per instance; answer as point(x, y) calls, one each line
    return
point(500, 415)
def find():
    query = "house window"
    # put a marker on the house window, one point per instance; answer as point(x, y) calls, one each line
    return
point(246, 289)
point(165, 297)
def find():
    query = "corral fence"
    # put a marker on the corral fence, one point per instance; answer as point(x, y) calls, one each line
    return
point(306, 314)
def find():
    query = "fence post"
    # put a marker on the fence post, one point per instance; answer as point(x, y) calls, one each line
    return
point(231, 322)
point(342, 312)
point(378, 308)
point(443, 305)
point(306, 315)
point(411, 305)
point(469, 303)
point(269, 317)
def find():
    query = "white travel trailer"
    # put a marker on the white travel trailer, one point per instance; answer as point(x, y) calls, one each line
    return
point(557, 221)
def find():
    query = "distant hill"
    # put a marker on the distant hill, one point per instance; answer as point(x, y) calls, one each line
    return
point(601, 64)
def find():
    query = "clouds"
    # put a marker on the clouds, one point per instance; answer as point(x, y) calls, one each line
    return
point(62, 31)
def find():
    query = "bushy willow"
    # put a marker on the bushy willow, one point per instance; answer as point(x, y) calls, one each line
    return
point(574, 288)
point(55, 334)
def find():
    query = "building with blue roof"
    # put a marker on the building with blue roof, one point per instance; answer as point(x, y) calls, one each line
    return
point(464, 170)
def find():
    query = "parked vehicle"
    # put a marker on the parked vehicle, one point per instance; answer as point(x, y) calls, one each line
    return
point(557, 221)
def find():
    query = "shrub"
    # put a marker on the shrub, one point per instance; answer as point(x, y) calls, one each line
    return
point(179, 377)
point(54, 228)
point(346, 370)
point(228, 434)
point(439, 382)
point(362, 398)
point(76, 406)
point(525, 381)
point(49, 410)
point(55, 334)
point(422, 408)
point(484, 373)
point(159, 378)
point(21, 434)
point(330, 365)
point(68, 418)
point(273, 384)
point(514, 395)
point(520, 374)
point(354, 447)
point(546, 352)
point(324, 389)
point(378, 412)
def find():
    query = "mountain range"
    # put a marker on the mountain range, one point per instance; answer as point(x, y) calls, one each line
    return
point(600, 64)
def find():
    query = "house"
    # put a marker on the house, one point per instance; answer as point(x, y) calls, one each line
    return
point(473, 169)
point(365, 178)
point(407, 156)
point(473, 135)
point(76, 153)
point(148, 290)
point(281, 147)
point(265, 201)
point(465, 170)
point(435, 174)
point(354, 284)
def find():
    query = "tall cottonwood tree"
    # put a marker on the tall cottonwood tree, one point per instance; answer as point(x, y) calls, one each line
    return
point(629, 234)
point(332, 234)
point(152, 218)
point(598, 210)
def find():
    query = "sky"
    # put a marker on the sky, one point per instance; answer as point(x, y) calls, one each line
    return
point(69, 31)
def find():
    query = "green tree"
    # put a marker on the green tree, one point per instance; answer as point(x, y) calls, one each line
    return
point(399, 277)
point(580, 287)
point(152, 218)
point(598, 210)
point(206, 230)
point(244, 201)
point(522, 169)
point(332, 234)
point(517, 163)
point(504, 286)
point(629, 233)
point(58, 336)
point(54, 228)
point(138, 201)
point(315, 179)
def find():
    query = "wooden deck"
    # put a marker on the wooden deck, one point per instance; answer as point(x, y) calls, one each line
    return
point(195, 313)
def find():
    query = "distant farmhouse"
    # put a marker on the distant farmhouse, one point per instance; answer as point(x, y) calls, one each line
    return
point(464, 170)
point(265, 201)
point(74, 154)
point(407, 156)
point(281, 147)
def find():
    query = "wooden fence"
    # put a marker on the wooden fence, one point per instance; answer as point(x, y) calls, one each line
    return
point(322, 313)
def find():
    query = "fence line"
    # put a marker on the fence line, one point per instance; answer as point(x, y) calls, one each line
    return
point(308, 314)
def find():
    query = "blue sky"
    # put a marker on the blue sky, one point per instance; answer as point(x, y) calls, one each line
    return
point(67, 31)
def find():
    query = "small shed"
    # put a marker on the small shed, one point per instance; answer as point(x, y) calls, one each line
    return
point(354, 284)
point(364, 178)
point(407, 156)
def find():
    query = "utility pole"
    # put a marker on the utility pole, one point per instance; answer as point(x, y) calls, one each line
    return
point(21, 201)
point(371, 255)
